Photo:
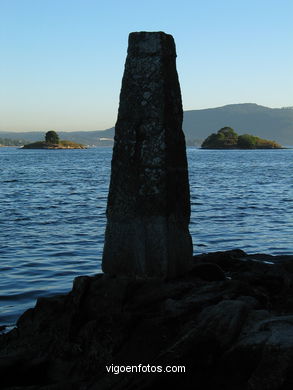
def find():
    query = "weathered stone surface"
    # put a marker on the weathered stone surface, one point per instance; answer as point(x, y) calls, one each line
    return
point(148, 205)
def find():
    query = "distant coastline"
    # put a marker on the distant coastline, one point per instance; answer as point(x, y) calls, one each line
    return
point(265, 122)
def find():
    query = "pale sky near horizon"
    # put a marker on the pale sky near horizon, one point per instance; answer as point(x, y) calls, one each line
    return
point(62, 60)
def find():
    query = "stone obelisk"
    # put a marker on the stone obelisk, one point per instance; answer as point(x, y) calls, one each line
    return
point(148, 207)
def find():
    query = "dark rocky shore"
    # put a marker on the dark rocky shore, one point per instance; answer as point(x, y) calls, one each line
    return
point(229, 320)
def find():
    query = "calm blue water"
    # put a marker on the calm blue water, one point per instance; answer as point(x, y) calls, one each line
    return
point(53, 205)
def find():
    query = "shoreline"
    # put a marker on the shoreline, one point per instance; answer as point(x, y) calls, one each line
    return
point(210, 319)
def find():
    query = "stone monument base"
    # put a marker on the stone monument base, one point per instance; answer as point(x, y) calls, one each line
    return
point(147, 247)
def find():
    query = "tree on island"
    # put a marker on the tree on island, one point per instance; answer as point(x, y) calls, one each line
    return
point(52, 137)
point(227, 138)
point(52, 141)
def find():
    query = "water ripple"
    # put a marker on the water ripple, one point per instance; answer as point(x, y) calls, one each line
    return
point(53, 213)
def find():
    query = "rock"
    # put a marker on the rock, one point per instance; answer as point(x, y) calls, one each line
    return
point(223, 322)
point(226, 260)
point(263, 356)
point(208, 271)
point(148, 207)
point(250, 301)
point(231, 334)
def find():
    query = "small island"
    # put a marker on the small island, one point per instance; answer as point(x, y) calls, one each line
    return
point(227, 138)
point(52, 141)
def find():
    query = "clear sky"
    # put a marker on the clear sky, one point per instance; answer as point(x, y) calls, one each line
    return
point(62, 60)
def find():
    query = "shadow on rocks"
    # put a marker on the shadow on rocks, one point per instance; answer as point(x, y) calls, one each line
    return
point(228, 322)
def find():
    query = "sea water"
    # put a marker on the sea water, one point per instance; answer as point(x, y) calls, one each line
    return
point(53, 203)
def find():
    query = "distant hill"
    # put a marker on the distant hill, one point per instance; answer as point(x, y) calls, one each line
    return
point(270, 123)
point(11, 142)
